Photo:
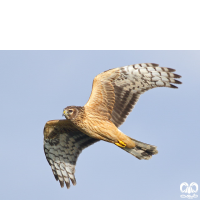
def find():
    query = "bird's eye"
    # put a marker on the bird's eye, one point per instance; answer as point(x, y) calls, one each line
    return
point(70, 111)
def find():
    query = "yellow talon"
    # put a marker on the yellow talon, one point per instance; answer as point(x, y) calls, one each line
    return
point(120, 144)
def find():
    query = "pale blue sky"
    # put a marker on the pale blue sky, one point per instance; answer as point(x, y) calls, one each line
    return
point(37, 85)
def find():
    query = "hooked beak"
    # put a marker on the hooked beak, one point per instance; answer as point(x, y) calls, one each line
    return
point(65, 113)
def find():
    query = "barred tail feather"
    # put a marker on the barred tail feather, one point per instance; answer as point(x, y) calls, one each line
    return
point(142, 150)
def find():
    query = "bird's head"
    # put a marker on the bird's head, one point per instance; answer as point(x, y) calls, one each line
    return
point(70, 112)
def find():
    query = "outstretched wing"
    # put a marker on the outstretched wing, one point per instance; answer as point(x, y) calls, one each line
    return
point(62, 145)
point(115, 92)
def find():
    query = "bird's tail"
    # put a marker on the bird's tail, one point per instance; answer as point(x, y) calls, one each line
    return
point(142, 150)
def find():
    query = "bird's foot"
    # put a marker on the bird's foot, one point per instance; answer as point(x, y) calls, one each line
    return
point(120, 144)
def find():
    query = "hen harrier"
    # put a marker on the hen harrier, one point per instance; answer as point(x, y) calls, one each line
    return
point(114, 94)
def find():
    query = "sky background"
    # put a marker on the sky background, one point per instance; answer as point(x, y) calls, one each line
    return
point(37, 85)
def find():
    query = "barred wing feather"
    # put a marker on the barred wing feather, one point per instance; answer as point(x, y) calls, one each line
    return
point(115, 92)
point(62, 145)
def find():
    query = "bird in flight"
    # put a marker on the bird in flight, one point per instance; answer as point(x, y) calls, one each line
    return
point(114, 94)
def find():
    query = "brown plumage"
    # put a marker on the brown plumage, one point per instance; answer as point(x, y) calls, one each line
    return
point(114, 94)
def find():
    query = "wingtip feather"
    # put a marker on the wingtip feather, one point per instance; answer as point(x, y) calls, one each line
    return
point(171, 70)
point(178, 82)
point(61, 184)
point(173, 86)
point(177, 76)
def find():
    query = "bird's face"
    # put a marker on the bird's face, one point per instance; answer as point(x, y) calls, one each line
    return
point(69, 112)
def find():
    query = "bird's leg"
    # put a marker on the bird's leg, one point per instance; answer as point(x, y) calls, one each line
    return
point(120, 144)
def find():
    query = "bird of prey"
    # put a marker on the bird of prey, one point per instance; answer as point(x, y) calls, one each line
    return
point(114, 94)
